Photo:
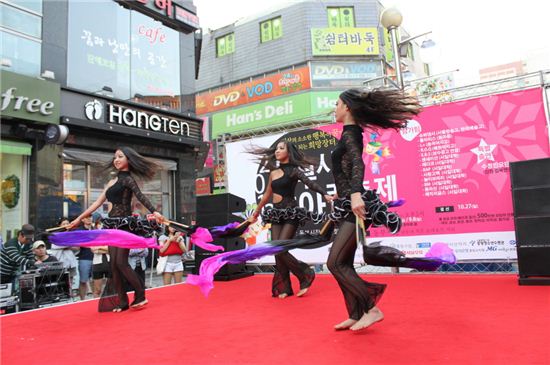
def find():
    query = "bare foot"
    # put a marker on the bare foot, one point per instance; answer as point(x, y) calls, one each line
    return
point(140, 304)
point(283, 296)
point(368, 319)
point(345, 325)
point(302, 292)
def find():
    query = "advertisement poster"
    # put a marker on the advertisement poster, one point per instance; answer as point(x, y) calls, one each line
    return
point(451, 165)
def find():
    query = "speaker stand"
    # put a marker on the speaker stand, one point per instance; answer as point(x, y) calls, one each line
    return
point(534, 280)
point(235, 276)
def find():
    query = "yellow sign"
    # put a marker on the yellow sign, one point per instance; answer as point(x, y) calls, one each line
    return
point(344, 41)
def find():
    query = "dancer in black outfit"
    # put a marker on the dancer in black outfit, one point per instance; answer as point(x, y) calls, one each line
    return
point(358, 109)
point(119, 192)
point(286, 215)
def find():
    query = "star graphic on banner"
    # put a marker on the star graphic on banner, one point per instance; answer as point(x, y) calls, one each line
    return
point(484, 151)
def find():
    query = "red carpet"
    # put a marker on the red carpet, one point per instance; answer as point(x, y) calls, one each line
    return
point(430, 319)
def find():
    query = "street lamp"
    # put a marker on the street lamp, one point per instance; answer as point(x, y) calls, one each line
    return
point(391, 19)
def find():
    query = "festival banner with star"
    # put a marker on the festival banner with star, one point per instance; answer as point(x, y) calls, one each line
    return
point(451, 166)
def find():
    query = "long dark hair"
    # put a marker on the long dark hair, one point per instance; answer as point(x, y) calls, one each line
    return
point(380, 108)
point(266, 156)
point(138, 165)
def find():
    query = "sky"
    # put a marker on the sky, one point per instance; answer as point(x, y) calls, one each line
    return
point(470, 34)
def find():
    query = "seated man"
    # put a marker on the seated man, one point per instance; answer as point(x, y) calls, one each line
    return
point(16, 254)
point(40, 253)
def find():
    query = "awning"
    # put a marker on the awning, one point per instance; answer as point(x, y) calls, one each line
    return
point(96, 157)
point(15, 148)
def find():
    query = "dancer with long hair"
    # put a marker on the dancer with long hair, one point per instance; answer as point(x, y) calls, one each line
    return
point(119, 192)
point(359, 110)
point(285, 162)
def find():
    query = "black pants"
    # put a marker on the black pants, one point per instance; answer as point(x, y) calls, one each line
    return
point(285, 263)
point(360, 296)
point(120, 271)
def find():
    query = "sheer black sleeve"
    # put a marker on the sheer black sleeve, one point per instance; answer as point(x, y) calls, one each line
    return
point(131, 184)
point(354, 146)
point(299, 174)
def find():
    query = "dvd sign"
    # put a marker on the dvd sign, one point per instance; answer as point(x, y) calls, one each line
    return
point(326, 74)
point(282, 83)
point(226, 98)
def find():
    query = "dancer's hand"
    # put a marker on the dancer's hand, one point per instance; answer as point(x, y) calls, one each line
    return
point(358, 206)
point(254, 217)
point(329, 198)
point(75, 223)
point(159, 217)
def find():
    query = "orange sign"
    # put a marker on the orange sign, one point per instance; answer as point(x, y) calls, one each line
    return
point(283, 83)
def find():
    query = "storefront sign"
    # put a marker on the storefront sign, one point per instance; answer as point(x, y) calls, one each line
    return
point(118, 117)
point(165, 11)
point(141, 119)
point(281, 110)
point(278, 111)
point(344, 41)
point(345, 74)
point(259, 89)
point(28, 98)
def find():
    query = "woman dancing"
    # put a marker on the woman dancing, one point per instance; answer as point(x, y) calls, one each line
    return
point(286, 216)
point(358, 109)
point(119, 192)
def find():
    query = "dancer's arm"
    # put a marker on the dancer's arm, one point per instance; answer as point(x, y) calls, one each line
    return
point(311, 184)
point(130, 183)
point(100, 200)
point(265, 199)
point(358, 172)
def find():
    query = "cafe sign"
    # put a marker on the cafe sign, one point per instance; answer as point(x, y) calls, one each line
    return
point(28, 98)
point(168, 12)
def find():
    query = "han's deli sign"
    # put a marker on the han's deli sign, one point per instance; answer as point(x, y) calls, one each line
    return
point(282, 83)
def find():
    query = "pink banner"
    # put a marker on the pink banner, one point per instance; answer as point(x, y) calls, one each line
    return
point(451, 164)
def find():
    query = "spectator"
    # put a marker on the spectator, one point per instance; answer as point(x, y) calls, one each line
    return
point(16, 253)
point(85, 259)
point(136, 259)
point(40, 253)
point(172, 247)
point(67, 256)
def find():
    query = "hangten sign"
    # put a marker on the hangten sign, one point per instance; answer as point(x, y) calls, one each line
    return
point(129, 117)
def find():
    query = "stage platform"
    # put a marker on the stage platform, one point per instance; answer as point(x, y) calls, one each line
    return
point(430, 319)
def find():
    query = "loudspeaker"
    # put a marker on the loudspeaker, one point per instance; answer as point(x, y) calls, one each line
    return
point(37, 290)
point(228, 271)
point(531, 199)
point(209, 204)
point(217, 219)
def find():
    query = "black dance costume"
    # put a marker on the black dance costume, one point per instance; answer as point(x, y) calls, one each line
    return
point(348, 169)
point(285, 216)
point(120, 195)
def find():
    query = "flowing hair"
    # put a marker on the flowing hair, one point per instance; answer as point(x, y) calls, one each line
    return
point(141, 166)
point(380, 108)
point(266, 156)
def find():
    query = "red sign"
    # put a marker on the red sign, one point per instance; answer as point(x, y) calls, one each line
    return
point(202, 186)
point(259, 89)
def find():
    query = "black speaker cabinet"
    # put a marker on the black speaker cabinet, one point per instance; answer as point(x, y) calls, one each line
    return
point(228, 203)
point(531, 199)
point(228, 271)
point(217, 219)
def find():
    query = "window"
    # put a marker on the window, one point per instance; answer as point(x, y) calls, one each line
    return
point(410, 51)
point(20, 36)
point(271, 29)
point(138, 57)
point(340, 17)
point(427, 69)
point(225, 45)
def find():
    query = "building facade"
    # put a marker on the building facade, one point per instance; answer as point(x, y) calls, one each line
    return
point(290, 63)
point(116, 73)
